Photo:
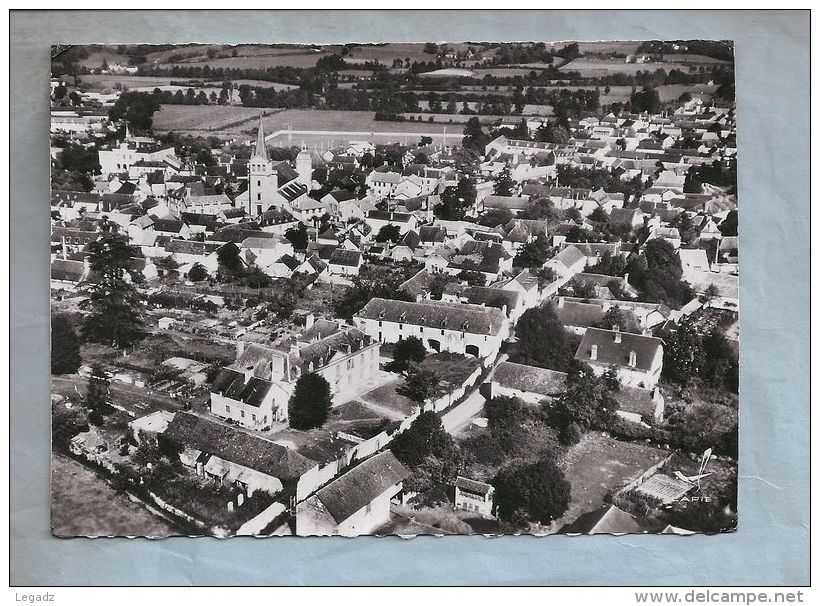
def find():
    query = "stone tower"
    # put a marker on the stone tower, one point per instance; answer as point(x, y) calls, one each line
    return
point(262, 178)
point(304, 166)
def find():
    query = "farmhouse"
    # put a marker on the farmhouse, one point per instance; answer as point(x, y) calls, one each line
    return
point(232, 457)
point(636, 359)
point(355, 503)
point(459, 328)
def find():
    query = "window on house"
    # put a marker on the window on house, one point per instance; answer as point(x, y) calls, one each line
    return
point(368, 508)
point(258, 196)
point(227, 408)
point(253, 416)
point(442, 331)
point(258, 183)
point(242, 413)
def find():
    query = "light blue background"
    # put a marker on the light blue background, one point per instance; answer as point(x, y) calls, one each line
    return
point(771, 547)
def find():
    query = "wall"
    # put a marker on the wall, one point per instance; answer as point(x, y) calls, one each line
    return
point(320, 475)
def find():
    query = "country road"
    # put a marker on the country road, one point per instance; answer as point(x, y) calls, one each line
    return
point(455, 420)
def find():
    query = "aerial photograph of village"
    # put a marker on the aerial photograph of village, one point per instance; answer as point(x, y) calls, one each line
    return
point(434, 288)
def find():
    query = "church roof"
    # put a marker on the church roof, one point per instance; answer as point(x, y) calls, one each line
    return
point(261, 149)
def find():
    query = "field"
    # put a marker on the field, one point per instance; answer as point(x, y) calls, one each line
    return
point(220, 120)
point(599, 465)
point(324, 127)
point(503, 72)
point(104, 81)
point(82, 504)
point(260, 83)
point(602, 67)
point(623, 47)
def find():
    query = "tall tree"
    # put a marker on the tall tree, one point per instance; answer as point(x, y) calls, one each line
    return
point(425, 437)
point(534, 492)
point(587, 403)
point(420, 384)
point(310, 404)
point(534, 253)
point(96, 396)
point(407, 351)
point(542, 339)
point(504, 183)
point(65, 347)
point(683, 353)
point(114, 301)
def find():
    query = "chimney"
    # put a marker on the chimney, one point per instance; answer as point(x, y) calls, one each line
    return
point(560, 302)
point(309, 320)
point(626, 277)
point(617, 330)
point(593, 352)
point(240, 348)
point(248, 372)
point(287, 367)
point(633, 359)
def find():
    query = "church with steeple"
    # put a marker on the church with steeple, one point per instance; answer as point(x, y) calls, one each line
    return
point(274, 185)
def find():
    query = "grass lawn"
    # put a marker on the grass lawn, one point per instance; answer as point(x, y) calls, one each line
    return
point(387, 397)
point(83, 504)
point(452, 368)
point(216, 119)
point(599, 465)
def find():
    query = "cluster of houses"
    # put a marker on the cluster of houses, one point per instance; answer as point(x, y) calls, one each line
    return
point(169, 208)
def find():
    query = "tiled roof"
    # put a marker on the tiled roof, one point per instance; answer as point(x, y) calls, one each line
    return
point(191, 247)
point(473, 486)
point(237, 446)
point(348, 258)
point(353, 490)
point(617, 354)
point(474, 319)
point(530, 378)
point(607, 520)
point(232, 384)
point(508, 202)
point(569, 257)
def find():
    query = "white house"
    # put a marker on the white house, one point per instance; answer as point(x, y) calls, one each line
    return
point(456, 327)
point(637, 360)
point(355, 503)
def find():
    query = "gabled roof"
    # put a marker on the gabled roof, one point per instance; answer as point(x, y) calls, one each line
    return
point(607, 520)
point(473, 486)
point(508, 202)
point(358, 487)
point(347, 258)
point(237, 446)
point(474, 319)
point(232, 384)
point(569, 257)
point(610, 353)
point(532, 379)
